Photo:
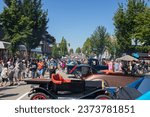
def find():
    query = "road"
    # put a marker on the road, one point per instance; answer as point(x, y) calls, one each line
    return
point(15, 92)
point(21, 92)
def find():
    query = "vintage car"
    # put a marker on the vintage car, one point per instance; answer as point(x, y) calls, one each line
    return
point(94, 63)
point(84, 70)
point(65, 88)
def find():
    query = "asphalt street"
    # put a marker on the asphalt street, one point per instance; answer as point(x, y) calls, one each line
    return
point(17, 92)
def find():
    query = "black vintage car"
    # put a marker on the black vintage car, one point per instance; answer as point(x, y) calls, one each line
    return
point(94, 63)
point(65, 88)
point(83, 70)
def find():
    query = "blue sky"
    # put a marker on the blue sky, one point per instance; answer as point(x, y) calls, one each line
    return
point(76, 20)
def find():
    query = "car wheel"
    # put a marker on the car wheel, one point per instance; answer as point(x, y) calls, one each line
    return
point(103, 97)
point(39, 96)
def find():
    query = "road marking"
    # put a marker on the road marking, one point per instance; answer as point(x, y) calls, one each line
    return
point(22, 96)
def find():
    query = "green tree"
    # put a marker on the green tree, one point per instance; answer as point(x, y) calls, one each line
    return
point(78, 50)
point(16, 26)
point(33, 9)
point(1, 32)
point(24, 22)
point(63, 47)
point(120, 23)
point(143, 27)
point(55, 51)
point(113, 47)
point(128, 21)
point(99, 40)
point(71, 51)
point(87, 47)
point(7, 2)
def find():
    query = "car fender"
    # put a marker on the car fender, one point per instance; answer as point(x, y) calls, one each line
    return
point(42, 90)
point(95, 92)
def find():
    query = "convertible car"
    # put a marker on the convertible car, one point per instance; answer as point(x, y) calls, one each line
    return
point(65, 88)
point(84, 70)
point(94, 63)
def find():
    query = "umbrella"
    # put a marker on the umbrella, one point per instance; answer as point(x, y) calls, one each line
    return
point(127, 58)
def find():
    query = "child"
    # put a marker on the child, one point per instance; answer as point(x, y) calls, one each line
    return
point(4, 74)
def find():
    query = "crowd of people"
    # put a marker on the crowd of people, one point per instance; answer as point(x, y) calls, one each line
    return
point(129, 67)
point(12, 71)
point(15, 70)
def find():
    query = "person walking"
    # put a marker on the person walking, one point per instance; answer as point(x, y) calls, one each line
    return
point(33, 68)
point(44, 67)
point(40, 68)
point(17, 74)
point(4, 75)
point(1, 67)
point(23, 69)
point(11, 71)
point(53, 67)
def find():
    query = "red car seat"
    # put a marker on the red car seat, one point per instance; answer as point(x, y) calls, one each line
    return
point(58, 79)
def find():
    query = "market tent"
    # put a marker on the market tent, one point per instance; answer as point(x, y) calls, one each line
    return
point(127, 58)
point(3, 44)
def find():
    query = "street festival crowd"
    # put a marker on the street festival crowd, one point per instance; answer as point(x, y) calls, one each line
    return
point(13, 71)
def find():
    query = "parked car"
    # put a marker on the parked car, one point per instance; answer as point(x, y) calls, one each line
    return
point(65, 88)
point(94, 63)
point(83, 70)
point(139, 89)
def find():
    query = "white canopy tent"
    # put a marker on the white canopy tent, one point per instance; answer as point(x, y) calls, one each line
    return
point(127, 58)
point(4, 44)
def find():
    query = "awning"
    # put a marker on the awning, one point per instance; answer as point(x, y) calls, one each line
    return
point(4, 45)
point(127, 58)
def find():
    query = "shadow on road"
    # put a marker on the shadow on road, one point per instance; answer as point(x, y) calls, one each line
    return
point(8, 95)
point(6, 88)
point(11, 87)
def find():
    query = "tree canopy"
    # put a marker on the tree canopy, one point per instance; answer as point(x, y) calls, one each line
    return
point(71, 51)
point(132, 21)
point(63, 47)
point(24, 22)
point(87, 47)
point(99, 40)
point(78, 50)
point(1, 32)
point(55, 51)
